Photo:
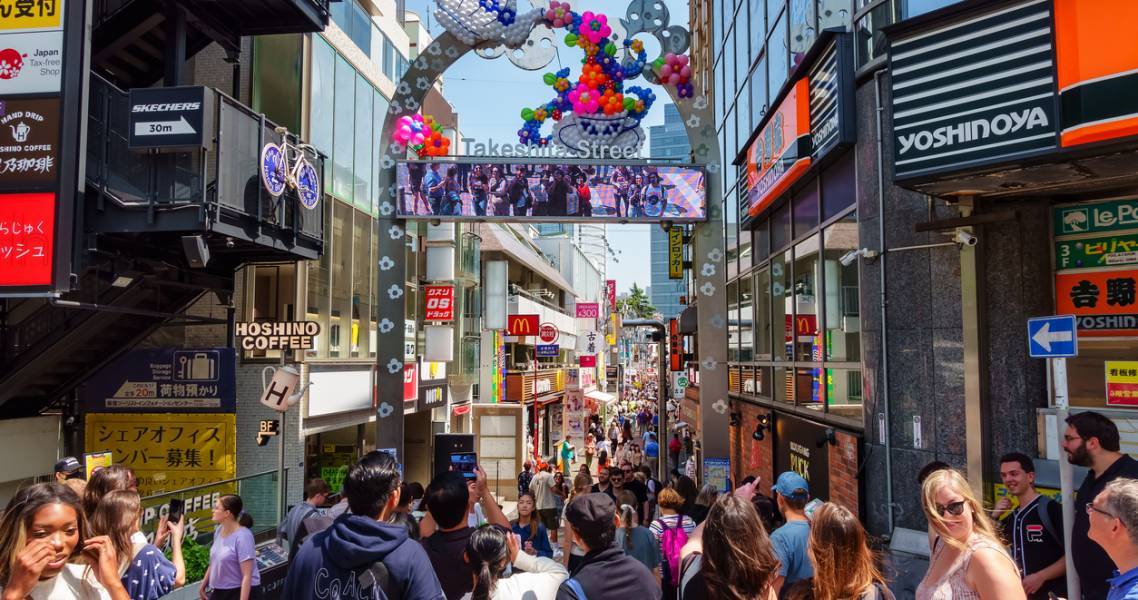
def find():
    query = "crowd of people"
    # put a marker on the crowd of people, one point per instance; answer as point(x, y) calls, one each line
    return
point(535, 191)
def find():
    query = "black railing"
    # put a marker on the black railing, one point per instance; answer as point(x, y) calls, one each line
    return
point(220, 182)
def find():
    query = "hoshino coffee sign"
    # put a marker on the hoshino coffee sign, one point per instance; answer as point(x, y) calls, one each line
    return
point(974, 92)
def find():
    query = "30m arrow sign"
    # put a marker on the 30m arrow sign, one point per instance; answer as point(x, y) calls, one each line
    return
point(179, 127)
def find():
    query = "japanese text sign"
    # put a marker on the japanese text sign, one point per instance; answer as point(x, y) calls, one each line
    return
point(1121, 383)
point(1096, 252)
point(548, 333)
point(31, 15)
point(587, 361)
point(167, 452)
point(27, 226)
point(675, 253)
point(29, 139)
point(588, 310)
point(440, 303)
point(165, 380)
point(548, 350)
point(610, 289)
point(522, 324)
point(410, 383)
point(779, 155)
point(675, 352)
point(589, 342)
point(1103, 301)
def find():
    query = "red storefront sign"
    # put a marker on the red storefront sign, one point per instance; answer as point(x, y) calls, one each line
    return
point(522, 324)
point(1104, 302)
point(588, 361)
point(440, 303)
point(610, 288)
point(588, 310)
point(779, 155)
point(27, 228)
point(548, 333)
point(410, 383)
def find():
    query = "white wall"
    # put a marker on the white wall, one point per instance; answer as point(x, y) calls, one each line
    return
point(32, 446)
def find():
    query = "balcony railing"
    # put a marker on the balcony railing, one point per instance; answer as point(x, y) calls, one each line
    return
point(217, 187)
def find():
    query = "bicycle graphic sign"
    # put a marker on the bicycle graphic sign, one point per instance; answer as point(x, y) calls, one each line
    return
point(285, 166)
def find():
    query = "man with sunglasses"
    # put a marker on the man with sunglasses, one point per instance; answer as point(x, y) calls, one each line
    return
point(1091, 440)
point(1113, 517)
point(1034, 531)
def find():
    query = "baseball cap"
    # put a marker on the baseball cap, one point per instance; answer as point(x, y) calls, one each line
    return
point(591, 513)
point(791, 485)
point(69, 465)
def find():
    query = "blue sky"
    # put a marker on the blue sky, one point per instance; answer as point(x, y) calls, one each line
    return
point(490, 94)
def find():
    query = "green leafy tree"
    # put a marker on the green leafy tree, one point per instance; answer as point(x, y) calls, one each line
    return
point(636, 305)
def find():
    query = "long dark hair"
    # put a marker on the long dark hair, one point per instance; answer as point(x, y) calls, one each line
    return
point(532, 515)
point(105, 481)
point(844, 565)
point(738, 560)
point(115, 517)
point(487, 552)
point(233, 504)
point(18, 515)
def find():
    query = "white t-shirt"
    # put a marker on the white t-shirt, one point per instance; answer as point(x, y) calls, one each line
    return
point(74, 582)
point(540, 579)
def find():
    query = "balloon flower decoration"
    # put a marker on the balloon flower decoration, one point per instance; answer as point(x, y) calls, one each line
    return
point(423, 135)
point(596, 110)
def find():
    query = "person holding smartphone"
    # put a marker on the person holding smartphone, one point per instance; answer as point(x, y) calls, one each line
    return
point(146, 573)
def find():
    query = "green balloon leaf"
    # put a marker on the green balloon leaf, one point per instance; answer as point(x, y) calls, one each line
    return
point(610, 49)
point(549, 78)
point(571, 39)
point(527, 114)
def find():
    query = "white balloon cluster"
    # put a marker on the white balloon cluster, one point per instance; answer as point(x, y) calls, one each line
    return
point(582, 134)
point(478, 21)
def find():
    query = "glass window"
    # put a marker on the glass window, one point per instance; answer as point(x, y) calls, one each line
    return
point(389, 55)
point(781, 307)
point(762, 328)
point(720, 94)
point(806, 209)
point(758, 93)
point(270, 298)
point(360, 31)
point(870, 43)
point(742, 57)
point(323, 95)
point(728, 66)
point(758, 27)
point(717, 31)
point(378, 113)
point(834, 13)
point(843, 318)
point(362, 296)
point(746, 320)
point(774, 9)
point(808, 389)
point(803, 30)
point(914, 8)
point(339, 329)
point(843, 389)
point(807, 332)
point(838, 187)
point(363, 143)
point(780, 227)
point(318, 305)
point(343, 135)
point(760, 240)
point(783, 384)
point(777, 56)
point(733, 321)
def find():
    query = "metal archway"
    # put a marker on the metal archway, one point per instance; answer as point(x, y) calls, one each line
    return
point(708, 258)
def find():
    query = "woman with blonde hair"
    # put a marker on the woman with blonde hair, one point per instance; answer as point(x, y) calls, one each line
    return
point(844, 566)
point(969, 561)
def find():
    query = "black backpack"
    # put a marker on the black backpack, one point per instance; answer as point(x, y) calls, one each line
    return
point(378, 579)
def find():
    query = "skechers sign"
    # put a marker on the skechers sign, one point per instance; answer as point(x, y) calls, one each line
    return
point(977, 91)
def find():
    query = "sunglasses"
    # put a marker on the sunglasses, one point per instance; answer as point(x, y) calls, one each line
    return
point(955, 509)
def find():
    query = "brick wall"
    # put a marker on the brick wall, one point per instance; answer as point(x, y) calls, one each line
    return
point(843, 472)
point(750, 457)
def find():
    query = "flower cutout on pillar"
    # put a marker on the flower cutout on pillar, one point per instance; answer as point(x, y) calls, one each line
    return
point(404, 88)
point(395, 232)
point(385, 208)
point(385, 324)
point(394, 366)
point(715, 255)
point(707, 289)
point(386, 264)
point(699, 103)
point(395, 292)
point(707, 270)
point(385, 410)
point(717, 321)
point(422, 83)
point(720, 406)
point(707, 364)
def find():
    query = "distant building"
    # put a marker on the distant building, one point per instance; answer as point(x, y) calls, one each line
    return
point(667, 141)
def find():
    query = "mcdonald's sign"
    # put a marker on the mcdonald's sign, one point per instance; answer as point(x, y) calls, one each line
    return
point(522, 324)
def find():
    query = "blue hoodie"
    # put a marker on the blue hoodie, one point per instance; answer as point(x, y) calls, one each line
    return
point(329, 563)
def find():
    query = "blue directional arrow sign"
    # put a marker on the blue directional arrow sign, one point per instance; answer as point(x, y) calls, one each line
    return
point(1053, 337)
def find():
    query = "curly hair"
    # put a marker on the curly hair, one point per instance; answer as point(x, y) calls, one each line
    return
point(739, 562)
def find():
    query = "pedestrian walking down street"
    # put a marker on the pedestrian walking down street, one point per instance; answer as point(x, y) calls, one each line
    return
point(46, 553)
point(636, 540)
point(232, 573)
point(671, 531)
point(844, 566)
point(446, 528)
point(533, 535)
point(525, 477)
point(605, 571)
point(1091, 440)
point(968, 560)
point(315, 494)
point(573, 554)
point(490, 550)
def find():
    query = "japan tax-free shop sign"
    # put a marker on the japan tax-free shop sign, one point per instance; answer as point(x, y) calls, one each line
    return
point(42, 84)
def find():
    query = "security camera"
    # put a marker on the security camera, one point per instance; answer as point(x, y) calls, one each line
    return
point(965, 239)
point(849, 258)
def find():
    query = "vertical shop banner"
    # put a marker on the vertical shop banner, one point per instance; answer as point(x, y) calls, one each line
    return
point(675, 351)
point(1122, 383)
point(610, 290)
point(165, 380)
point(780, 154)
point(675, 253)
point(410, 382)
point(167, 451)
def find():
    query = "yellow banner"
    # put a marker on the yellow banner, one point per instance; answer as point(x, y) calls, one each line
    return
point(167, 452)
point(675, 253)
point(31, 15)
point(93, 461)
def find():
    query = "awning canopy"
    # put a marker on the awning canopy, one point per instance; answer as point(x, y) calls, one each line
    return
point(601, 396)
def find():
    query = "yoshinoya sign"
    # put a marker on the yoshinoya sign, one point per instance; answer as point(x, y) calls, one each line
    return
point(31, 63)
point(781, 152)
point(973, 92)
point(276, 336)
point(29, 142)
point(170, 117)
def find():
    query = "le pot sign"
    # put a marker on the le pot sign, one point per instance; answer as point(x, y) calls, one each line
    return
point(548, 333)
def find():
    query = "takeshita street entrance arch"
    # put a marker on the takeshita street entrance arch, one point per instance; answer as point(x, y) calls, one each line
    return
point(493, 28)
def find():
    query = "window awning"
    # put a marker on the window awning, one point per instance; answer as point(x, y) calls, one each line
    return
point(601, 396)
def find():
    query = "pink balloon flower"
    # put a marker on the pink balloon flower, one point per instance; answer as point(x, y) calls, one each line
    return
point(594, 27)
point(584, 100)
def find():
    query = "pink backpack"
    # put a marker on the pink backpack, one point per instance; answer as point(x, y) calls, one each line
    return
point(672, 541)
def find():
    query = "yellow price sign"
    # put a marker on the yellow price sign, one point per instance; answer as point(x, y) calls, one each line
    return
point(31, 15)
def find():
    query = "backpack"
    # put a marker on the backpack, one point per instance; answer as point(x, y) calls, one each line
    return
point(378, 579)
point(1041, 508)
point(672, 541)
point(575, 587)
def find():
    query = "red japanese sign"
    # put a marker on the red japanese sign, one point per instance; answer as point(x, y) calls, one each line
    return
point(779, 156)
point(440, 303)
point(610, 288)
point(1104, 302)
point(410, 383)
point(674, 350)
point(27, 225)
point(588, 361)
point(588, 310)
point(522, 325)
point(548, 333)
